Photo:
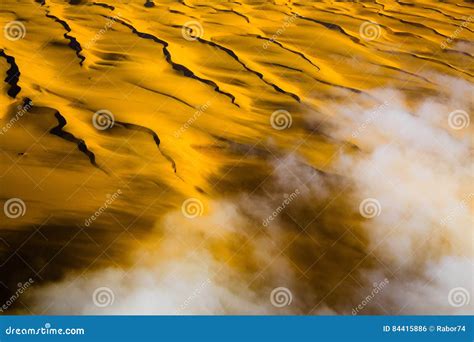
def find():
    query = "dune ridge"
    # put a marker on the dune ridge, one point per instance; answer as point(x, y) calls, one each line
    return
point(233, 105)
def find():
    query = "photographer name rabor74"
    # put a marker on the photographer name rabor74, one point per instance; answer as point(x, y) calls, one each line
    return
point(424, 328)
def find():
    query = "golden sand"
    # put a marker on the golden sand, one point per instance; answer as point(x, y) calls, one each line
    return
point(192, 86)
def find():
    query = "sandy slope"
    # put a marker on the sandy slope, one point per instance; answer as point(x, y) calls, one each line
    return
point(192, 120)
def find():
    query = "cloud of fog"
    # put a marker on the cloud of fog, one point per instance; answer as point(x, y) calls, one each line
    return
point(419, 169)
point(409, 159)
point(194, 269)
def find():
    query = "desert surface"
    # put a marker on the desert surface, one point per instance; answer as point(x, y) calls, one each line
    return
point(236, 157)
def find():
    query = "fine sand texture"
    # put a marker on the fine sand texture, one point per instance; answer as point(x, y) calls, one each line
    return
point(215, 157)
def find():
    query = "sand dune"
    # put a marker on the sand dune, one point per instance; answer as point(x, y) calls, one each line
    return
point(140, 106)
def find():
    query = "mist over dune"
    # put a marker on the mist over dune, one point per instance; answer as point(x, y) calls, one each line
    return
point(224, 157)
point(411, 180)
